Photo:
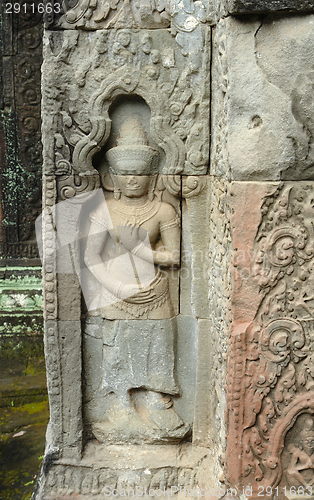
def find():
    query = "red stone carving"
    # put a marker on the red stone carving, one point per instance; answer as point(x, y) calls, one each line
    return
point(270, 369)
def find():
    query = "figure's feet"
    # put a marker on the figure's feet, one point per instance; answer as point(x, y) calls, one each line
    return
point(122, 423)
point(158, 400)
point(160, 412)
point(151, 421)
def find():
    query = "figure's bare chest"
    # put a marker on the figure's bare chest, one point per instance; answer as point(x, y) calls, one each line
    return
point(146, 218)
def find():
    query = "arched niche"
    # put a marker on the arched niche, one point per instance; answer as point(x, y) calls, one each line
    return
point(125, 106)
point(123, 85)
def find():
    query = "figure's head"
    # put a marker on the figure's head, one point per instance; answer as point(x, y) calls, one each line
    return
point(307, 443)
point(132, 155)
point(307, 436)
point(133, 186)
point(124, 38)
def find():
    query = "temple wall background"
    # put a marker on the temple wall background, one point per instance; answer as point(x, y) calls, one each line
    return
point(21, 160)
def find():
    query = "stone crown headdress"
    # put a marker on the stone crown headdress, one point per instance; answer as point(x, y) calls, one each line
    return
point(132, 154)
point(308, 428)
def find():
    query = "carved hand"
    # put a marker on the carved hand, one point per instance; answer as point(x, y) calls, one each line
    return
point(127, 290)
point(129, 236)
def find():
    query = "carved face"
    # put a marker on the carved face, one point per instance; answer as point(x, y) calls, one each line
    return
point(308, 444)
point(133, 186)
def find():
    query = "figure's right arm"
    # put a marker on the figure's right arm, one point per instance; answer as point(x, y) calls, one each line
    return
point(94, 246)
point(96, 241)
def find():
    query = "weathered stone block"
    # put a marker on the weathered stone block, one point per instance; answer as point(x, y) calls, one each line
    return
point(262, 108)
point(251, 6)
point(270, 376)
point(101, 78)
point(151, 14)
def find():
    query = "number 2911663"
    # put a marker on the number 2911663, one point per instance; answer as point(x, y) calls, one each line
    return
point(40, 8)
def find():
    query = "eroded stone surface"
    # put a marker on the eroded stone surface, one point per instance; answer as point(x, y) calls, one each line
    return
point(271, 350)
point(251, 6)
point(163, 77)
point(115, 468)
point(262, 110)
point(194, 254)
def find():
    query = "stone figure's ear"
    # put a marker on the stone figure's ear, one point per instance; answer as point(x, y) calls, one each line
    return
point(104, 182)
point(116, 189)
point(152, 186)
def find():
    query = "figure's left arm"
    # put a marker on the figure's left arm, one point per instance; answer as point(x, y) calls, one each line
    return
point(169, 253)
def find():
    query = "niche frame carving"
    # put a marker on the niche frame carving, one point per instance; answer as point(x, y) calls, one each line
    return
point(113, 87)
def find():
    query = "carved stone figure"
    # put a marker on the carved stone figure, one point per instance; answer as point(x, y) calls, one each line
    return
point(130, 236)
point(240, 369)
point(100, 14)
point(300, 469)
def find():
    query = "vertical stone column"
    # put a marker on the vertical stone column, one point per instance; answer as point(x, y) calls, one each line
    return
point(21, 323)
point(262, 145)
point(243, 314)
point(104, 63)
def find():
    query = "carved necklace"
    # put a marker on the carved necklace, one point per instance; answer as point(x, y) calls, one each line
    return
point(137, 215)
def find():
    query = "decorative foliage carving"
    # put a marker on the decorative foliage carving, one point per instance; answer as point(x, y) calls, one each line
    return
point(21, 195)
point(49, 252)
point(285, 254)
point(89, 14)
point(275, 353)
point(20, 301)
point(99, 14)
point(20, 294)
point(172, 81)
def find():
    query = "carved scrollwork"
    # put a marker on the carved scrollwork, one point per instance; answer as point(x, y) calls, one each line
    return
point(284, 243)
point(170, 182)
point(124, 62)
point(71, 185)
point(277, 348)
point(98, 14)
point(280, 338)
point(192, 185)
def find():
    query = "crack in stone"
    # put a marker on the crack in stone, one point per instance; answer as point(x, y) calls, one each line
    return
point(256, 32)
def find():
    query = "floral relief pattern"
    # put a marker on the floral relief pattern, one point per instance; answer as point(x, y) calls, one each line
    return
point(21, 177)
point(171, 77)
point(273, 358)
